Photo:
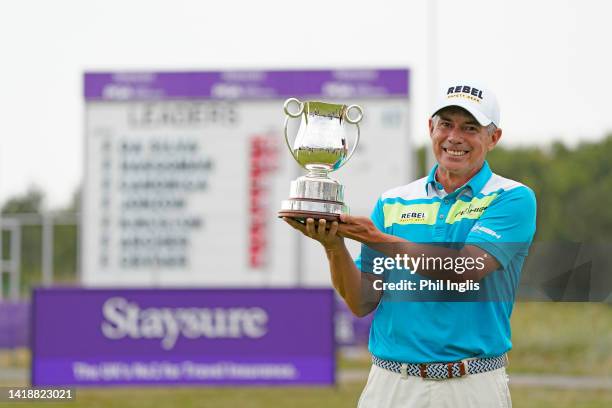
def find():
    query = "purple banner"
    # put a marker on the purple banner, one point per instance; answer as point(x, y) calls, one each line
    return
point(339, 84)
point(350, 329)
point(153, 336)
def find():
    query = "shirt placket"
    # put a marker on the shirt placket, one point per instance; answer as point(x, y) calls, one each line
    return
point(440, 225)
point(441, 228)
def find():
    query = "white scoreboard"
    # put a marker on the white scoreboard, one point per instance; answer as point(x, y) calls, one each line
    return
point(185, 172)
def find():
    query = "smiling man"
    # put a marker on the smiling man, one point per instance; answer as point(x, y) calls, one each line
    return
point(438, 352)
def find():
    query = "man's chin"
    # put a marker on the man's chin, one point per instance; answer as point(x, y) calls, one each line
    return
point(454, 165)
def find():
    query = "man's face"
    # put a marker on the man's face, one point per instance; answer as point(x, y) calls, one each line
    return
point(459, 142)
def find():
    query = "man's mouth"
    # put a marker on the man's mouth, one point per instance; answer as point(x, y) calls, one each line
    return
point(454, 152)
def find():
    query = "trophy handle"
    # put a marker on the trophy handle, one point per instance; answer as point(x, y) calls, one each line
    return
point(289, 116)
point(354, 121)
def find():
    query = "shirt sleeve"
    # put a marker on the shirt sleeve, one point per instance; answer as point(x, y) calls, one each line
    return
point(506, 228)
point(365, 259)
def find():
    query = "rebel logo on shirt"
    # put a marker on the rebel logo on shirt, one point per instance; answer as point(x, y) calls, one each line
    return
point(413, 215)
point(400, 213)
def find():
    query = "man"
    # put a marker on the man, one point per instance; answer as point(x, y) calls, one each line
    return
point(438, 352)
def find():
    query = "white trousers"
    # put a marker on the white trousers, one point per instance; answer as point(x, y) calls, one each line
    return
point(386, 389)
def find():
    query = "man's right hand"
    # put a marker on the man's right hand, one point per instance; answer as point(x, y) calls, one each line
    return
point(318, 231)
point(354, 287)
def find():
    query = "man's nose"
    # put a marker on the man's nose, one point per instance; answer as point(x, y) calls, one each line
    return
point(455, 136)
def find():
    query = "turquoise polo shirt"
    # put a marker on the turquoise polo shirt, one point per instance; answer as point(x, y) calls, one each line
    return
point(489, 211)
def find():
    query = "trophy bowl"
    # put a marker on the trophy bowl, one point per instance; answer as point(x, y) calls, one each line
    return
point(320, 147)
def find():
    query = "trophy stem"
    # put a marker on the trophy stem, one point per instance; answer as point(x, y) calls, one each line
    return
point(315, 171)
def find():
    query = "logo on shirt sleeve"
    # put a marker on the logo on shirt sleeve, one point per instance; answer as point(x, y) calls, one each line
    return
point(488, 231)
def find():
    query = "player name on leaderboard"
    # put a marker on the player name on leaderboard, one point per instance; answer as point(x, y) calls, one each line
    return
point(156, 179)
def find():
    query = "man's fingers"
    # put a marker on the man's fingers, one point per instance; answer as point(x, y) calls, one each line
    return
point(345, 218)
point(310, 228)
point(333, 230)
point(321, 230)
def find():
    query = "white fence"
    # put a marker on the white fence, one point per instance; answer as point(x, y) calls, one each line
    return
point(13, 225)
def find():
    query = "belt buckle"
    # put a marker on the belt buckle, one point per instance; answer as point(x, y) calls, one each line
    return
point(424, 375)
point(463, 370)
point(464, 367)
point(423, 371)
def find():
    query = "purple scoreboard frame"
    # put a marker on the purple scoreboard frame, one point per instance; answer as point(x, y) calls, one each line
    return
point(340, 84)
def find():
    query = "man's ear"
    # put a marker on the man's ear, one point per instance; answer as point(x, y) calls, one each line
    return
point(495, 138)
point(431, 126)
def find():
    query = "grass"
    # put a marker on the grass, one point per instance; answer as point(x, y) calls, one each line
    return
point(345, 395)
point(562, 338)
point(19, 358)
point(559, 338)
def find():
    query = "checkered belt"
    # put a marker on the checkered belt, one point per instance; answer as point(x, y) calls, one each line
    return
point(440, 371)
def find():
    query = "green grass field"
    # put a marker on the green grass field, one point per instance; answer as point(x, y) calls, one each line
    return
point(562, 338)
point(343, 396)
point(554, 338)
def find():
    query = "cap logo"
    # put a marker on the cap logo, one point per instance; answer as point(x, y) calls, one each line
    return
point(464, 91)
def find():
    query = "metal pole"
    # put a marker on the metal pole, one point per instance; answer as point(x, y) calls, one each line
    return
point(15, 261)
point(79, 247)
point(47, 250)
point(1, 261)
point(299, 249)
point(432, 14)
point(299, 260)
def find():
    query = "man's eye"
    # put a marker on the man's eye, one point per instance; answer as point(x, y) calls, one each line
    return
point(444, 124)
point(471, 129)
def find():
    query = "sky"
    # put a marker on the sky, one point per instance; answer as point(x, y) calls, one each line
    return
point(547, 61)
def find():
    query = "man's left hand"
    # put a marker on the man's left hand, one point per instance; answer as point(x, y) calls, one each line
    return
point(360, 229)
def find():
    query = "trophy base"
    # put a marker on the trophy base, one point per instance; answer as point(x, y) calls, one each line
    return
point(300, 209)
point(302, 215)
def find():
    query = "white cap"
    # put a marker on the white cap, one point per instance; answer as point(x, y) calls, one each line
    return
point(472, 97)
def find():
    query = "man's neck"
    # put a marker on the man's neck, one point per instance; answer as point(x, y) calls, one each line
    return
point(452, 181)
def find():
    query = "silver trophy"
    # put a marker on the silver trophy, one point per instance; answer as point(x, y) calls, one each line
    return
point(320, 147)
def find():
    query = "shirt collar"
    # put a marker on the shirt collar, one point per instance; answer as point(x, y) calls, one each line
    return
point(476, 183)
point(431, 178)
